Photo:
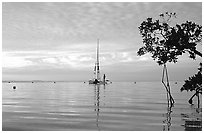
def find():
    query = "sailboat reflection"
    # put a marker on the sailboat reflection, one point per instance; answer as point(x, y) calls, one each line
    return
point(97, 103)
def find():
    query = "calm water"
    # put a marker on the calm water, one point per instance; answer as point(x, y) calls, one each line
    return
point(80, 106)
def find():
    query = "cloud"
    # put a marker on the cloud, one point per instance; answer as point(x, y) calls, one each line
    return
point(62, 36)
point(14, 62)
point(34, 26)
point(145, 58)
point(50, 60)
point(74, 60)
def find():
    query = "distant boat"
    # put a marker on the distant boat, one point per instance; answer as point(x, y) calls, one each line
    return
point(97, 79)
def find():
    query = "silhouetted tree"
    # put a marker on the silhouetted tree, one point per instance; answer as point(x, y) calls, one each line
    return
point(194, 83)
point(166, 42)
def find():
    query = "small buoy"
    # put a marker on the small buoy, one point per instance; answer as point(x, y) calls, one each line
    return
point(32, 82)
point(84, 82)
point(9, 82)
point(135, 82)
point(54, 82)
point(14, 87)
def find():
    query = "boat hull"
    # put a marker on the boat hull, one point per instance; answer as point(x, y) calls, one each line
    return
point(96, 82)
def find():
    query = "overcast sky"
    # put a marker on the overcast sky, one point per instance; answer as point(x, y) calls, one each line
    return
point(57, 41)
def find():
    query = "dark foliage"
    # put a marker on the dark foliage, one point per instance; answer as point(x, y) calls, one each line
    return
point(194, 83)
point(165, 42)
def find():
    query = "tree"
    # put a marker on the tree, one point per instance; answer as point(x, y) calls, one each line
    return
point(194, 83)
point(166, 42)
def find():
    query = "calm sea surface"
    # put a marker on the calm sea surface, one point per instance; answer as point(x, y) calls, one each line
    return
point(79, 106)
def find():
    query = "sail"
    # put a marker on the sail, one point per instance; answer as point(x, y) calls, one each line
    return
point(95, 69)
point(97, 62)
point(97, 79)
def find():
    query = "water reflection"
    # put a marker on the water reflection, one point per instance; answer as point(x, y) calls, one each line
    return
point(167, 121)
point(193, 120)
point(97, 103)
point(77, 106)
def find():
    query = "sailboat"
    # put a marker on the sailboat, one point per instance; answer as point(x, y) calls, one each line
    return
point(97, 79)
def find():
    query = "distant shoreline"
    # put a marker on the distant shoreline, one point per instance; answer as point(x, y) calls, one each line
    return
point(18, 81)
point(38, 81)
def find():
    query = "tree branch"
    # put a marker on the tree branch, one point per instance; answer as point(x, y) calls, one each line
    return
point(198, 53)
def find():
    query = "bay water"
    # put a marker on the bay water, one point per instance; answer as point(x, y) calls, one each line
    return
point(120, 106)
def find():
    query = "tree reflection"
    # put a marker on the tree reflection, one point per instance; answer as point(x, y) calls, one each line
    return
point(193, 120)
point(167, 121)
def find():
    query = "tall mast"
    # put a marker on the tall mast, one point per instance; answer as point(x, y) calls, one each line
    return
point(97, 61)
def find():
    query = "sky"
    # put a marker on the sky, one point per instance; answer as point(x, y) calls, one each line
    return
point(57, 41)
